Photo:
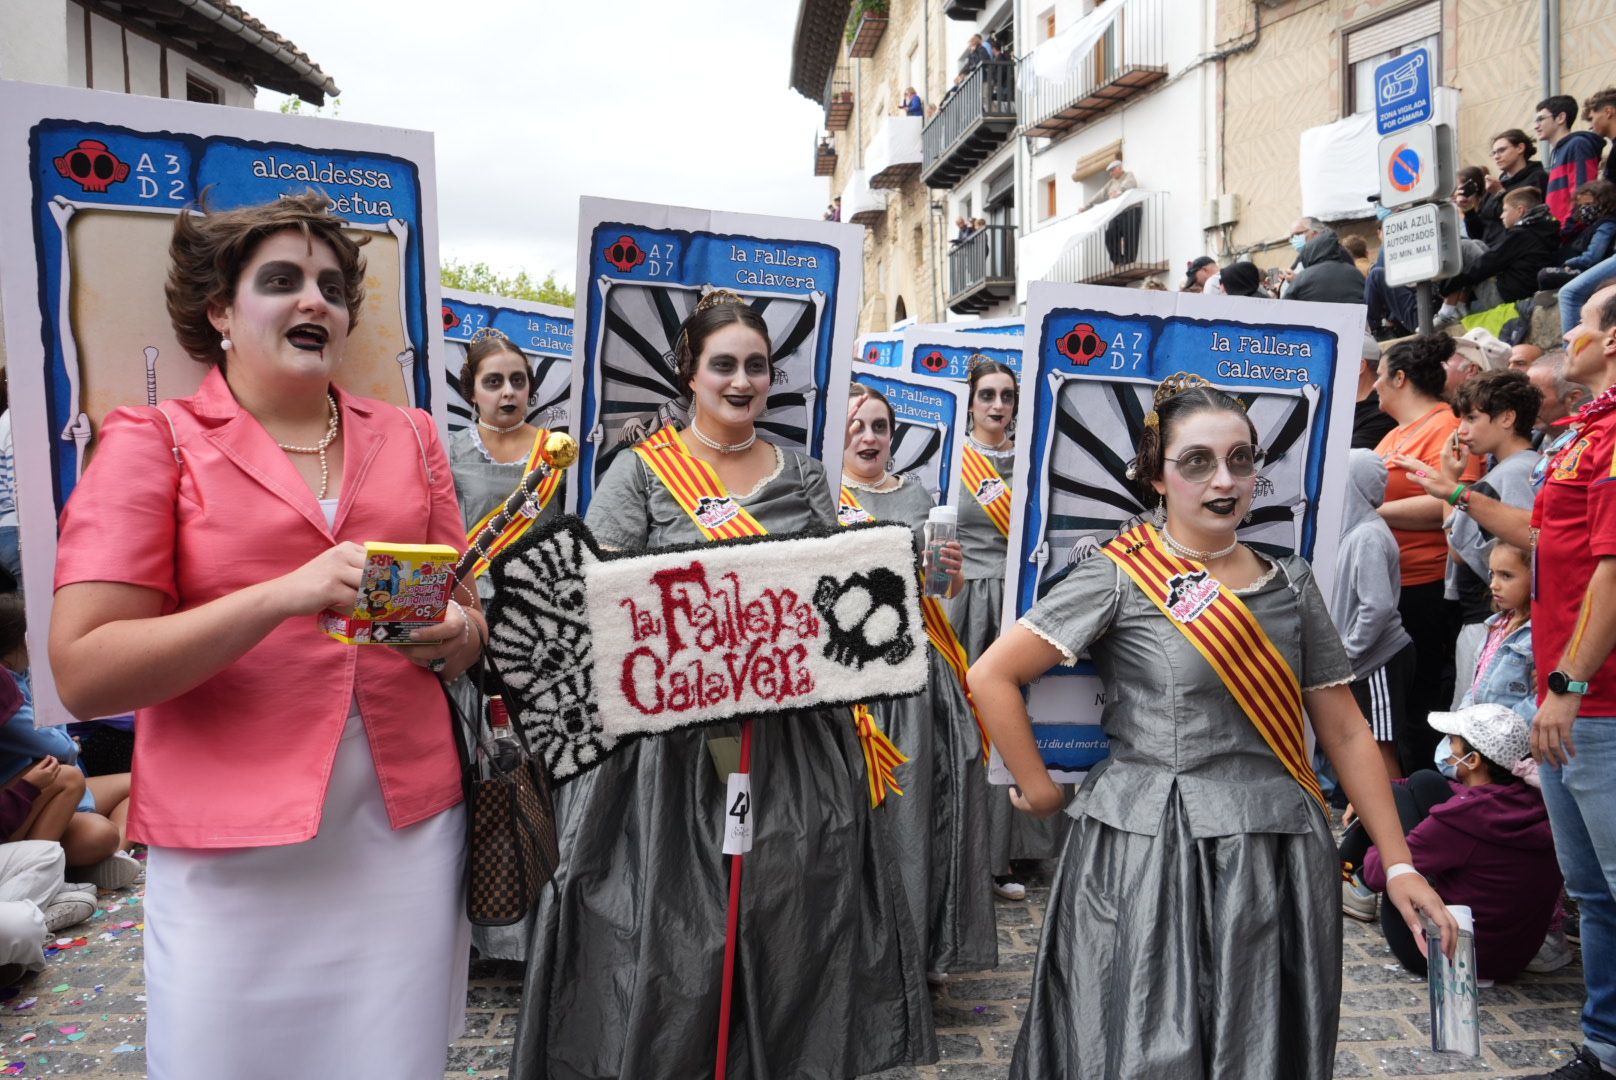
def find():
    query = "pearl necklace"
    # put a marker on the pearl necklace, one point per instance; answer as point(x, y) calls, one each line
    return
point(879, 487)
point(723, 448)
point(1196, 556)
point(1002, 448)
point(494, 427)
point(320, 447)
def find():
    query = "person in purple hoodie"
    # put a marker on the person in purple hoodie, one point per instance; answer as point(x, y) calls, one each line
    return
point(1480, 835)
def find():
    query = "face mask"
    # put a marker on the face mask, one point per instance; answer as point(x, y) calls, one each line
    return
point(1583, 214)
point(1444, 750)
point(1299, 241)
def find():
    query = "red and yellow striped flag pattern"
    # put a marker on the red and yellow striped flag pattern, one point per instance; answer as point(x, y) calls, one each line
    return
point(519, 523)
point(994, 498)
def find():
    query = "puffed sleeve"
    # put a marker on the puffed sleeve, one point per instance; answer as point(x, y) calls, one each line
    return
point(447, 526)
point(1324, 659)
point(119, 524)
point(619, 513)
point(817, 490)
point(1079, 609)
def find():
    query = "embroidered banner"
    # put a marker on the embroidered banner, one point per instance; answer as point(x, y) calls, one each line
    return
point(1228, 635)
point(595, 649)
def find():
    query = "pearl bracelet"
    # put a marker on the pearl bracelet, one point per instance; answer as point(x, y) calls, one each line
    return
point(465, 620)
point(1397, 870)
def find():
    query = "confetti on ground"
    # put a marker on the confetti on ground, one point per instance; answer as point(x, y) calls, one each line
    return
point(61, 989)
point(25, 1003)
point(15, 1068)
point(69, 1029)
point(28, 1038)
point(125, 1048)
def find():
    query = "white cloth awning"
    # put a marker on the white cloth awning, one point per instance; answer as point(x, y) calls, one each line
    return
point(1339, 167)
point(858, 196)
point(896, 142)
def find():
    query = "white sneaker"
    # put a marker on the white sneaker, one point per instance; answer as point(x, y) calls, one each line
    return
point(1358, 900)
point(116, 871)
point(1008, 888)
point(68, 908)
point(1555, 953)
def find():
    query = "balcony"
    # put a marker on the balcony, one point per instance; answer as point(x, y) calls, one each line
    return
point(1110, 55)
point(838, 101)
point(982, 270)
point(964, 10)
point(862, 203)
point(872, 26)
point(1116, 243)
point(973, 121)
point(824, 158)
point(893, 156)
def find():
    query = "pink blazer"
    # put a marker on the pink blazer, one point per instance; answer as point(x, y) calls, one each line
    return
point(243, 760)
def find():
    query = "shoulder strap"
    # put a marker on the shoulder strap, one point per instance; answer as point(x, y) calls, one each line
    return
point(173, 437)
point(431, 478)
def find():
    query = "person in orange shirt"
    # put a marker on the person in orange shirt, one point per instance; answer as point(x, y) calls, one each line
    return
point(1409, 382)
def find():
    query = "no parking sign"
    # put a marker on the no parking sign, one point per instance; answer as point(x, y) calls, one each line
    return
point(1416, 164)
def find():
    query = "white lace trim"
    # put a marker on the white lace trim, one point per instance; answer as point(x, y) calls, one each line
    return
point(984, 448)
point(1273, 568)
point(1071, 657)
point(1349, 680)
point(859, 485)
point(779, 467)
point(477, 441)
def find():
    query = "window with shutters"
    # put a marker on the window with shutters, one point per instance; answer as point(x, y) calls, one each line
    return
point(1372, 44)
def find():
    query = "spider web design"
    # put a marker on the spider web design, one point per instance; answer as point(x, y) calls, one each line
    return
point(635, 384)
point(552, 376)
point(1090, 499)
point(538, 636)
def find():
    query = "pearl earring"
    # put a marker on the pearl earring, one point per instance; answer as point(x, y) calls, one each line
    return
point(224, 344)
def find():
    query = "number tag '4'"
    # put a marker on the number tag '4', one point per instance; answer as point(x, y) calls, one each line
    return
point(738, 815)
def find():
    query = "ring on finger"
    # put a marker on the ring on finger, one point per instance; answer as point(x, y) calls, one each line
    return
point(437, 665)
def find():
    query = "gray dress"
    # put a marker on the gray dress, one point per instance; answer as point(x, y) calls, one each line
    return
point(937, 829)
point(975, 613)
point(482, 484)
point(626, 962)
point(1194, 923)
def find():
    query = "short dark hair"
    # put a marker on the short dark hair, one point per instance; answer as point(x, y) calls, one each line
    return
point(702, 324)
point(1422, 358)
point(1598, 100)
point(210, 250)
point(1497, 392)
point(1560, 105)
point(1516, 136)
point(489, 343)
point(1150, 456)
point(857, 391)
point(13, 622)
point(981, 367)
point(1523, 196)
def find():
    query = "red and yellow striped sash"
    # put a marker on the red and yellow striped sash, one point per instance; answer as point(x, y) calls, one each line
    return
point(520, 522)
point(991, 491)
point(938, 628)
point(695, 486)
point(1228, 635)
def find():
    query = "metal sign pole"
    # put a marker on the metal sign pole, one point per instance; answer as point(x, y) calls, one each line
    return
point(1422, 297)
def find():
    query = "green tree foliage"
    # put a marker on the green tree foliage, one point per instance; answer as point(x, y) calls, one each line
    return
point(479, 277)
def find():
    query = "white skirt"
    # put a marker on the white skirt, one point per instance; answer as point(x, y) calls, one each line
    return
point(344, 955)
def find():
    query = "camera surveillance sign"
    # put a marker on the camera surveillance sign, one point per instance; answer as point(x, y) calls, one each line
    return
point(1403, 91)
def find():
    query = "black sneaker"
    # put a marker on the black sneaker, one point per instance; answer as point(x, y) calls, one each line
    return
point(1582, 1067)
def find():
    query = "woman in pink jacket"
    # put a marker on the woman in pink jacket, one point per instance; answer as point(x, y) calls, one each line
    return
point(293, 790)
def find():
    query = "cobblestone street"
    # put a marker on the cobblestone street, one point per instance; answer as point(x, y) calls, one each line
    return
point(84, 1015)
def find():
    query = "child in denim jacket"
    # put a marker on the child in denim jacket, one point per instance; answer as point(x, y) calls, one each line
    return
point(1504, 673)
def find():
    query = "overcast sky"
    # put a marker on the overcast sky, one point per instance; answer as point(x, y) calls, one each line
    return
point(534, 103)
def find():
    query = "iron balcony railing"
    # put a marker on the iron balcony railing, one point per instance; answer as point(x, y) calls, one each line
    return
point(1065, 83)
point(974, 119)
point(982, 269)
point(1128, 246)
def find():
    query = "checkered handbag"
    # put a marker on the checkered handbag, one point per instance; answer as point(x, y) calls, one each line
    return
point(511, 851)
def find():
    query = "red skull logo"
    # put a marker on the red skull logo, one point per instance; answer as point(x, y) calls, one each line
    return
point(873, 356)
point(450, 319)
point(92, 166)
point(934, 361)
point(1081, 344)
point(624, 254)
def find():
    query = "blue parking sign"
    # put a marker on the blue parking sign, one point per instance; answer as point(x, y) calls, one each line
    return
point(1403, 91)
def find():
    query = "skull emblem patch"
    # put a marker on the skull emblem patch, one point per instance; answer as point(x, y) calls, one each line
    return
point(865, 618)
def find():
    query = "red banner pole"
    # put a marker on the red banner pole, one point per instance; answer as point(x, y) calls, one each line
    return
point(733, 923)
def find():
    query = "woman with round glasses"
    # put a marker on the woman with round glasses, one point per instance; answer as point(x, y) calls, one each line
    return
point(1194, 923)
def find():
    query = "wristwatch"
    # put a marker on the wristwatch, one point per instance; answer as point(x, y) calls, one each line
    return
point(1561, 683)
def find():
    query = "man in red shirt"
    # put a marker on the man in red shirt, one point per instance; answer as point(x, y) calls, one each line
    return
point(1573, 633)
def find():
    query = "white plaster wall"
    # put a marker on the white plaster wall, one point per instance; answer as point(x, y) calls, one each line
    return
point(33, 40)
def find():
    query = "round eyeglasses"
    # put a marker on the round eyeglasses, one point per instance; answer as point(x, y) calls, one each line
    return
point(1198, 464)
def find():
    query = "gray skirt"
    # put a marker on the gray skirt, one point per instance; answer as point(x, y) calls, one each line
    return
point(626, 961)
point(975, 613)
point(1170, 958)
point(937, 829)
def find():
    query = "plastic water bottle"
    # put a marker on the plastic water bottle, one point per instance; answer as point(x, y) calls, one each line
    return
point(1455, 1019)
point(942, 527)
point(505, 750)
